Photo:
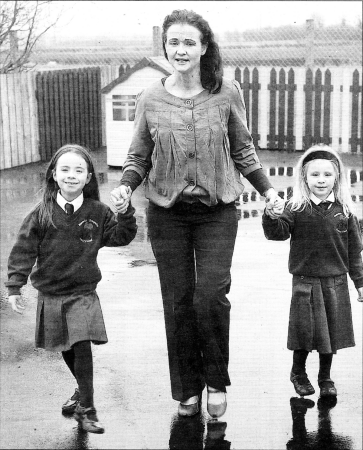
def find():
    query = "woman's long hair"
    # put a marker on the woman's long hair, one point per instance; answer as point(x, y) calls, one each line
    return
point(211, 68)
point(51, 188)
point(301, 193)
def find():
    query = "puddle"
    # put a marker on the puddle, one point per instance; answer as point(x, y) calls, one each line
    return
point(140, 262)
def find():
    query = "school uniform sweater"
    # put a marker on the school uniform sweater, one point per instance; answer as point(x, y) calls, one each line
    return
point(66, 255)
point(323, 243)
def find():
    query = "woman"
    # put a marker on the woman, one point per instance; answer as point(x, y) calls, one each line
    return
point(191, 143)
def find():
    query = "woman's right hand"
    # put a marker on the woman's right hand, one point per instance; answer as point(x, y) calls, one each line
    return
point(16, 303)
point(120, 198)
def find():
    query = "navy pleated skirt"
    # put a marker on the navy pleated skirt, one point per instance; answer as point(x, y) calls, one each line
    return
point(320, 314)
point(63, 320)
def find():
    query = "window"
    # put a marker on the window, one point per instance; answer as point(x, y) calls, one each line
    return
point(123, 107)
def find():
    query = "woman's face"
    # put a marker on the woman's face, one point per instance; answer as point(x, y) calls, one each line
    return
point(184, 48)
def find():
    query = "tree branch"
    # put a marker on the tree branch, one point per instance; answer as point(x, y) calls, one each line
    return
point(23, 17)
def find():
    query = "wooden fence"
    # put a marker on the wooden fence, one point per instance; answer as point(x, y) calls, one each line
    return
point(286, 109)
point(19, 137)
point(41, 111)
point(69, 109)
point(296, 108)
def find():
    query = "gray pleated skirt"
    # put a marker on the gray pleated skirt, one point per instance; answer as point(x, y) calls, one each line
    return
point(63, 320)
point(320, 314)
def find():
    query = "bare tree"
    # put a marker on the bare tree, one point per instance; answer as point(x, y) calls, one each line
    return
point(22, 23)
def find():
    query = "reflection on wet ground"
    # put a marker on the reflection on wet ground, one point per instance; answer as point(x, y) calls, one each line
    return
point(196, 433)
point(78, 440)
point(141, 262)
point(322, 439)
point(187, 432)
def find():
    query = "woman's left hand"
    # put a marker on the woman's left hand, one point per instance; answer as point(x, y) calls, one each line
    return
point(360, 292)
point(274, 204)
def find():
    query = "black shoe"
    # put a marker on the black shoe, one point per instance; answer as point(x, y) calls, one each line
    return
point(327, 388)
point(87, 418)
point(70, 405)
point(302, 384)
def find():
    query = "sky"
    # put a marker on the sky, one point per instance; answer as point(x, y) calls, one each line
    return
point(120, 18)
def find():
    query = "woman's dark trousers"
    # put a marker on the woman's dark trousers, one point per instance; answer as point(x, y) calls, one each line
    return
point(193, 245)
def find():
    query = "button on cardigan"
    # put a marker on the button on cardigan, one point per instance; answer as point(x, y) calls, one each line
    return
point(197, 146)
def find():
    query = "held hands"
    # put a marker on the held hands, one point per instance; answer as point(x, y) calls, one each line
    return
point(120, 198)
point(360, 292)
point(16, 303)
point(274, 204)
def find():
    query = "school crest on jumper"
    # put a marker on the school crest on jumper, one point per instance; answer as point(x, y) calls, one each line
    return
point(87, 227)
point(342, 223)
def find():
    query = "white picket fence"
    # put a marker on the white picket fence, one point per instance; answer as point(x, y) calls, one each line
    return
point(340, 114)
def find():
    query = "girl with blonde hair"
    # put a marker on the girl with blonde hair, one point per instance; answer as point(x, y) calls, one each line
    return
point(325, 245)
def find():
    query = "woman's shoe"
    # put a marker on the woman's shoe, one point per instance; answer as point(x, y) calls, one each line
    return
point(70, 405)
point(87, 418)
point(216, 403)
point(327, 388)
point(190, 407)
point(302, 384)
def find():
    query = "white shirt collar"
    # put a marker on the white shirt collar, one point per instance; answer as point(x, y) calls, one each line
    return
point(77, 202)
point(317, 201)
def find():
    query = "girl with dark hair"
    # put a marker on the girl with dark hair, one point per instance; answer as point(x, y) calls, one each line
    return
point(63, 235)
point(191, 143)
point(51, 189)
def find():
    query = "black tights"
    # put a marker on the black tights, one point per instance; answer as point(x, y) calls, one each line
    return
point(80, 363)
point(325, 362)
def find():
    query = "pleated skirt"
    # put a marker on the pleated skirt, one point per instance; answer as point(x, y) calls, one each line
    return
point(63, 320)
point(320, 314)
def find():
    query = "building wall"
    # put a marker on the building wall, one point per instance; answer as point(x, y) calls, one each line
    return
point(119, 133)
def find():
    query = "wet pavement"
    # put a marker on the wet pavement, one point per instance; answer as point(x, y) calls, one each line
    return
point(132, 391)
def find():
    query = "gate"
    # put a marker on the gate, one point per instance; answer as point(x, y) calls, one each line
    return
point(69, 109)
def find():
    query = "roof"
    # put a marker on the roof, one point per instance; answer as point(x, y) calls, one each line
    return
point(156, 62)
point(263, 51)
